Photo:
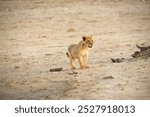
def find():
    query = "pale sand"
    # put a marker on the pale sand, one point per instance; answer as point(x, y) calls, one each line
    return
point(34, 37)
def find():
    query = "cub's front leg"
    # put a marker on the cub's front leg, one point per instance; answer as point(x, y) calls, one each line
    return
point(81, 62)
point(86, 61)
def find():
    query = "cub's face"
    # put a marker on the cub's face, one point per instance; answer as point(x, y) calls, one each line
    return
point(88, 40)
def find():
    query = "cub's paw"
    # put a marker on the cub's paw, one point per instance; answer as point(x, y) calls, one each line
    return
point(73, 67)
point(82, 67)
point(86, 67)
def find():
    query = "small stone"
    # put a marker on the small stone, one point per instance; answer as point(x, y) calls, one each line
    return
point(16, 67)
point(73, 73)
point(117, 60)
point(71, 30)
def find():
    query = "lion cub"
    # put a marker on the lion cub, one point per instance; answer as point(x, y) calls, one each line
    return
point(80, 51)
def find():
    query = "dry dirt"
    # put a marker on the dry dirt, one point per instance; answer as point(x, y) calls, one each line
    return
point(35, 34)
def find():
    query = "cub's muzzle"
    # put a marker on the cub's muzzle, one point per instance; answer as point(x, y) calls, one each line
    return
point(90, 46)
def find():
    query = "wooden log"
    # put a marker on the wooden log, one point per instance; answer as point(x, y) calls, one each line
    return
point(143, 48)
point(144, 52)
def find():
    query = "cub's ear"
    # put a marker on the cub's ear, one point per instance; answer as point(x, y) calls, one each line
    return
point(84, 38)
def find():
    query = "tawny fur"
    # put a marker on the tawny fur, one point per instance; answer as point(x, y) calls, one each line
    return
point(80, 51)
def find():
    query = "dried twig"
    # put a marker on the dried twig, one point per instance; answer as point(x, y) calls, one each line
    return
point(56, 69)
point(108, 77)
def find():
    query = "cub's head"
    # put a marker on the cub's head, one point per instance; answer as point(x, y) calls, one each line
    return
point(88, 40)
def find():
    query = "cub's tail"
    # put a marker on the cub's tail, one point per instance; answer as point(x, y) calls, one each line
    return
point(67, 54)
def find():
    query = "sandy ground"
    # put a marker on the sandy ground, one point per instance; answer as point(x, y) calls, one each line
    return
point(35, 34)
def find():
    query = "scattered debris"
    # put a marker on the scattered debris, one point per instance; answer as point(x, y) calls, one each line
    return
point(143, 53)
point(108, 77)
point(117, 60)
point(56, 69)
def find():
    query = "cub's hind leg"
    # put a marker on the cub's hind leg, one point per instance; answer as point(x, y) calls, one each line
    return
point(71, 63)
point(71, 60)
